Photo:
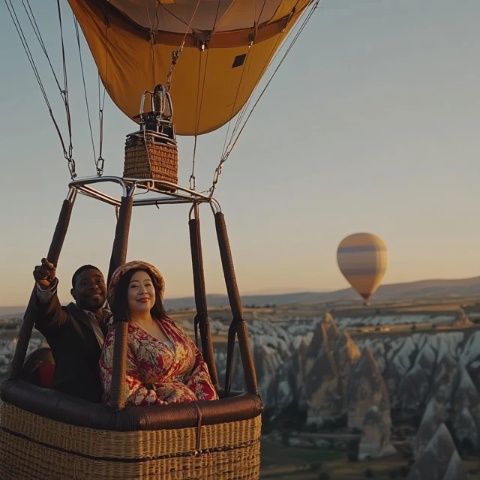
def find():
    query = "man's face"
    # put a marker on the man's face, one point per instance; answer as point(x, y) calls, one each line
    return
point(89, 290)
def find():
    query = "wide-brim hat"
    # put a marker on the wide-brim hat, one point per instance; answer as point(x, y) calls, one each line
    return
point(134, 265)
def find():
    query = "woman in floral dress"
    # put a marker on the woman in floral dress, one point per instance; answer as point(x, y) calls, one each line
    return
point(164, 365)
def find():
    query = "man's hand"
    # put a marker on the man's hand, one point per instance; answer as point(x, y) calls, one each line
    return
point(44, 274)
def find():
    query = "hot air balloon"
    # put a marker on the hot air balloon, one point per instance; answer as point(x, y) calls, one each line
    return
point(172, 66)
point(362, 259)
point(220, 51)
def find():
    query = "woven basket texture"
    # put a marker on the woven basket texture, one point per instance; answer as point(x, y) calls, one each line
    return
point(150, 159)
point(33, 447)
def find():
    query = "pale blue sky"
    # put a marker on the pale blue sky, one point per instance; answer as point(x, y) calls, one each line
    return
point(371, 125)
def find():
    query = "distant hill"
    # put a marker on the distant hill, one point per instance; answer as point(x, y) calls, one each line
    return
point(14, 311)
point(428, 290)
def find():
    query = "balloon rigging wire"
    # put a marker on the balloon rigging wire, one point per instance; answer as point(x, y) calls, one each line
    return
point(26, 47)
point(176, 17)
point(199, 107)
point(71, 162)
point(195, 138)
point(244, 109)
point(101, 108)
point(176, 54)
point(255, 25)
point(64, 91)
point(77, 33)
point(153, 29)
point(234, 138)
point(242, 114)
point(36, 30)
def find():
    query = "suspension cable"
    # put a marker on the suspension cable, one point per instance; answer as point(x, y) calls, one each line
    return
point(69, 157)
point(100, 162)
point(235, 137)
point(21, 35)
point(176, 53)
point(243, 110)
point(239, 126)
point(153, 29)
point(101, 107)
point(77, 33)
point(199, 103)
point(36, 30)
point(256, 20)
point(192, 179)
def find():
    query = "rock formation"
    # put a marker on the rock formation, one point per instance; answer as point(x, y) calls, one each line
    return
point(434, 416)
point(328, 363)
point(461, 319)
point(308, 363)
point(465, 416)
point(366, 389)
point(439, 460)
point(375, 438)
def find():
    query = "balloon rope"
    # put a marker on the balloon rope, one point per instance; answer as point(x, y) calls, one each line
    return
point(234, 139)
point(245, 107)
point(242, 114)
point(192, 180)
point(28, 53)
point(36, 30)
point(200, 96)
point(77, 34)
point(69, 158)
point(101, 106)
point(176, 53)
point(100, 162)
point(153, 29)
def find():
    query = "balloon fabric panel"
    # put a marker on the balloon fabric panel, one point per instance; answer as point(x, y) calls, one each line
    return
point(208, 87)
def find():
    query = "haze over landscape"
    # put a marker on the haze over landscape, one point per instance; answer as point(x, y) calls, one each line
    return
point(439, 291)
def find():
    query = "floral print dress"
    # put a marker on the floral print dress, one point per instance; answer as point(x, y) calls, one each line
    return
point(158, 372)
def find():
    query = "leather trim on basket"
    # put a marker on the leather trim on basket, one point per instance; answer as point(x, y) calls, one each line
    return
point(76, 411)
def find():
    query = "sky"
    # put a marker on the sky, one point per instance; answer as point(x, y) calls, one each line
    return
point(370, 125)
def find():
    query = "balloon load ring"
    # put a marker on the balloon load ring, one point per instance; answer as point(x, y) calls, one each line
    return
point(151, 152)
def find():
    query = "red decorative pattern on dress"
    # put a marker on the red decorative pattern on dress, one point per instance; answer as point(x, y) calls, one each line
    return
point(159, 373)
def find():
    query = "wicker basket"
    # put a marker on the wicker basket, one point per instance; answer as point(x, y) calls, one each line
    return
point(148, 155)
point(33, 447)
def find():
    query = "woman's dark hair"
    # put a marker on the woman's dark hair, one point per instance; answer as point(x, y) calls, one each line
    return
point(120, 300)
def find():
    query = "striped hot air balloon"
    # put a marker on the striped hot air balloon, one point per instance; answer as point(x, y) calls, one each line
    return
point(362, 259)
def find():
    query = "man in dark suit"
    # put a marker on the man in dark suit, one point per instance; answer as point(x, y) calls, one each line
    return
point(75, 333)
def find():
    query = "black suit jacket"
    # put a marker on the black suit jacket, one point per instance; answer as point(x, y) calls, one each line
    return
point(74, 347)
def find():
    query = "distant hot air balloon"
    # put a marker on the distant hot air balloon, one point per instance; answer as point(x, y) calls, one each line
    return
point(362, 259)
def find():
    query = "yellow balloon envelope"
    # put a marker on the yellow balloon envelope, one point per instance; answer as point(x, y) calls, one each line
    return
point(362, 259)
point(228, 45)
